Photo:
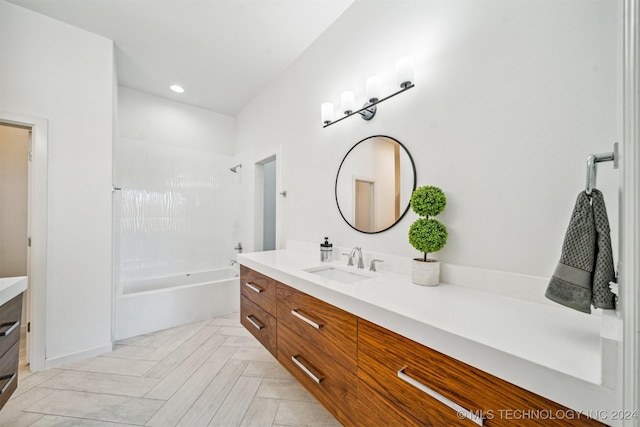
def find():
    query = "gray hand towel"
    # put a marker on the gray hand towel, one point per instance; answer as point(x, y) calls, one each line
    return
point(604, 271)
point(586, 262)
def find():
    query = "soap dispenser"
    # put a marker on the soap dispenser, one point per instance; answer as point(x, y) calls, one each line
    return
point(326, 251)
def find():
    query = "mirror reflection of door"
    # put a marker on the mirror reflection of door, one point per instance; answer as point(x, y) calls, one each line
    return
point(364, 209)
point(387, 163)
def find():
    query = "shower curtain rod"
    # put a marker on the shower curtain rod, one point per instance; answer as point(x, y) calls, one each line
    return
point(592, 165)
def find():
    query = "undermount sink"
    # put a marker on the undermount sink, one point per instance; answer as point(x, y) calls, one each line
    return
point(338, 274)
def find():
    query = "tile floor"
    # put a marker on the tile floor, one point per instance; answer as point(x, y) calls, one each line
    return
point(209, 373)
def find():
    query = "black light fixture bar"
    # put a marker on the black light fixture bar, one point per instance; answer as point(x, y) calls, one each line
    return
point(370, 107)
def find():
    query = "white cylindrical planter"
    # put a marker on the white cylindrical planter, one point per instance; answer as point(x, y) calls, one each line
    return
point(425, 273)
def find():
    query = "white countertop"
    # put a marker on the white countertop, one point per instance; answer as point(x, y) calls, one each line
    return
point(552, 351)
point(10, 287)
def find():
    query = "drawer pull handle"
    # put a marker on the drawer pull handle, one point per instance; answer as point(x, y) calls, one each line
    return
point(9, 379)
point(10, 327)
point(257, 325)
point(306, 370)
point(254, 287)
point(305, 319)
point(468, 414)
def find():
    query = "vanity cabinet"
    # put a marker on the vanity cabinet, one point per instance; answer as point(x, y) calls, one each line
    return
point(10, 315)
point(328, 381)
point(258, 307)
point(435, 389)
point(317, 343)
point(366, 375)
point(330, 329)
point(374, 410)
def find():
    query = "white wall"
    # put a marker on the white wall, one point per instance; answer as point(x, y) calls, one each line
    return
point(510, 98)
point(60, 73)
point(14, 152)
point(145, 117)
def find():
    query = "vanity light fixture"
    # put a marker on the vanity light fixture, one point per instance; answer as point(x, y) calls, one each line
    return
point(177, 88)
point(405, 77)
point(348, 101)
point(374, 88)
point(326, 110)
point(404, 71)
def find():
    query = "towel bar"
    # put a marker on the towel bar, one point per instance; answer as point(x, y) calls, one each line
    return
point(592, 165)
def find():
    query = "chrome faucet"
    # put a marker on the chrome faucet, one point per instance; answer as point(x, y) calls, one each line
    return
point(350, 261)
point(372, 266)
point(355, 250)
point(233, 261)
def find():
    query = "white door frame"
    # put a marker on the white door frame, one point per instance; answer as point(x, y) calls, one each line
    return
point(38, 227)
point(630, 218)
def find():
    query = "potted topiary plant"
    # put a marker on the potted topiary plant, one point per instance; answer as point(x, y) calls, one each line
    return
point(427, 234)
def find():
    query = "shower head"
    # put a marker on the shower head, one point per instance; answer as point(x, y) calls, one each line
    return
point(235, 168)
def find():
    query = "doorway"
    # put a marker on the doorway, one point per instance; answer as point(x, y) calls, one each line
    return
point(269, 206)
point(265, 204)
point(23, 182)
point(14, 205)
point(14, 180)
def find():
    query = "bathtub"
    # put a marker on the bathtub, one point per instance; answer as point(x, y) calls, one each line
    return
point(150, 305)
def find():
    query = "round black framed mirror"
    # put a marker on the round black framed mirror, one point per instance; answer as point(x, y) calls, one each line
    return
point(374, 184)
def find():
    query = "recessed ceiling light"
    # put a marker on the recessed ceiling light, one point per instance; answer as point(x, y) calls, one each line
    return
point(177, 88)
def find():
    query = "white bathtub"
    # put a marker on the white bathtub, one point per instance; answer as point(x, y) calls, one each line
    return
point(150, 305)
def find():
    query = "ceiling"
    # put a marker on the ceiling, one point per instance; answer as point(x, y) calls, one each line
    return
point(223, 52)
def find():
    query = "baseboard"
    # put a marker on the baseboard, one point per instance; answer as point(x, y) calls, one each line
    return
point(74, 357)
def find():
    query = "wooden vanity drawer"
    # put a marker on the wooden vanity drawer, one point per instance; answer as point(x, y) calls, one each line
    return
point(259, 323)
point(330, 383)
point(10, 315)
point(258, 288)
point(397, 367)
point(9, 372)
point(376, 411)
point(330, 329)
